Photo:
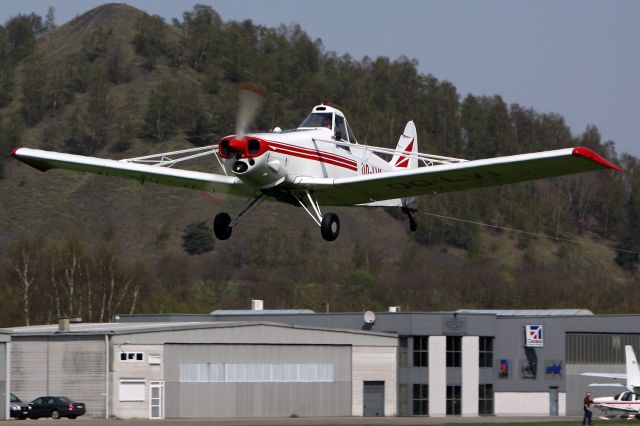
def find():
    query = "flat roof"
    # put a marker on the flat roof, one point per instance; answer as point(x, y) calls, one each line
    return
point(528, 312)
point(114, 328)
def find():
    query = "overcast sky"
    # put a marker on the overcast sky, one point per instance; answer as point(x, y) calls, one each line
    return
point(579, 58)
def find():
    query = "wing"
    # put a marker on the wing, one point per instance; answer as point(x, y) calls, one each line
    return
point(454, 177)
point(614, 376)
point(46, 160)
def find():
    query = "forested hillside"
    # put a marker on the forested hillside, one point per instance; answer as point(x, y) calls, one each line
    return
point(118, 83)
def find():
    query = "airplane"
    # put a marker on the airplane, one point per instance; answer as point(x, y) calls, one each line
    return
point(321, 163)
point(628, 401)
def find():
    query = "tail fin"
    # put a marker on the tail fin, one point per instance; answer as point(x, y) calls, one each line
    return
point(633, 372)
point(408, 143)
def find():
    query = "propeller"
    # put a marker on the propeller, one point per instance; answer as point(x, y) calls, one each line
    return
point(251, 99)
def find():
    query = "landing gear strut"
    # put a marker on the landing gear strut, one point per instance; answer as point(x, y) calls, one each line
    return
point(222, 223)
point(329, 223)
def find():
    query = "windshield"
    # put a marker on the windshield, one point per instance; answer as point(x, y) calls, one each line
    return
point(64, 399)
point(318, 119)
point(14, 398)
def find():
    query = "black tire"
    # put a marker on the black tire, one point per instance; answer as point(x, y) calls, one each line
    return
point(413, 225)
point(330, 227)
point(21, 418)
point(55, 414)
point(221, 227)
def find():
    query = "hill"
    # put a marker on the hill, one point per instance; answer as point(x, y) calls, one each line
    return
point(119, 83)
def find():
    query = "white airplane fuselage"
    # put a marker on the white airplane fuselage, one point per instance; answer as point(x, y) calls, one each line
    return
point(625, 401)
point(282, 157)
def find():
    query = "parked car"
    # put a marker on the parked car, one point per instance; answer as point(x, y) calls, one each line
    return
point(55, 407)
point(18, 408)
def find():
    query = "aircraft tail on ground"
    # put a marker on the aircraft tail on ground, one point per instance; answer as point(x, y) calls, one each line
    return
point(408, 143)
point(633, 372)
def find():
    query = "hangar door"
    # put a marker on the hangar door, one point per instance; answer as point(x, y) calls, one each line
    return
point(71, 366)
point(211, 380)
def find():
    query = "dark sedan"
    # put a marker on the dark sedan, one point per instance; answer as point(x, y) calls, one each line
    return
point(55, 407)
point(19, 409)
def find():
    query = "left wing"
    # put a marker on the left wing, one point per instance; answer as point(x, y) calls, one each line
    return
point(454, 177)
point(46, 160)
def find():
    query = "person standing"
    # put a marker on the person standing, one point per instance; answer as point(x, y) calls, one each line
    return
point(586, 406)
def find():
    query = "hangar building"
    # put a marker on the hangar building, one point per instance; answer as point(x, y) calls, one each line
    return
point(205, 369)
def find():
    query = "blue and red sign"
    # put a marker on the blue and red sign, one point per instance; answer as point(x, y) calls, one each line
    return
point(533, 336)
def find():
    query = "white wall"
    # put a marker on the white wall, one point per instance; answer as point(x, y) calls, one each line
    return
point(134, 370)
point(523, 403)
point(470, 375)
point(562, 403)
point(437, 376)
point(374, 364)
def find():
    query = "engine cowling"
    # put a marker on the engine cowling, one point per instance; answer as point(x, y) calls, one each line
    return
point(249, 158)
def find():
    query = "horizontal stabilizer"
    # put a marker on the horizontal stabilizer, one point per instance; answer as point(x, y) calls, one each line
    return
point(611, 385)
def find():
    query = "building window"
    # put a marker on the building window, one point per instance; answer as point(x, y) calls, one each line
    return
point(486, 351)
point(132, 390)
point(132, 356)
point(228, 372)
point(420, 399)
point(454, 400)
point(421, 351)
point(403, 356)
point(454, 351)
point(485, 399)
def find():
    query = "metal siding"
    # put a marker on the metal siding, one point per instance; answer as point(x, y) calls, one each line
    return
point(202, 400)
point(3, 381)
point(71, 366)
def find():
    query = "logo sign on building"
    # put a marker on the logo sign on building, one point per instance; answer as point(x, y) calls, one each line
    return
point(503, 371)
point(533, 336)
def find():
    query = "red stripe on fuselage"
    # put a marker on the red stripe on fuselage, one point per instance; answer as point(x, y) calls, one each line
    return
point(310, 154)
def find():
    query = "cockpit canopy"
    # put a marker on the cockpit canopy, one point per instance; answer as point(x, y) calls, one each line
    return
point(332, 119)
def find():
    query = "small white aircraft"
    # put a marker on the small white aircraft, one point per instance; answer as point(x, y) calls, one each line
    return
point(628, 401)
point(321, 163)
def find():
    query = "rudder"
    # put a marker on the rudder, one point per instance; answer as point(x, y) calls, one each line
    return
point(407, 144)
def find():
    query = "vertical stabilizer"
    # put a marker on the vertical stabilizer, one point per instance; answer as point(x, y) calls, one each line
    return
point(633, 372)
point(407, 144)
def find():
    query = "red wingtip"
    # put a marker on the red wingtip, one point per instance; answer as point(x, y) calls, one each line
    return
point(13, 153)
point(590, 155)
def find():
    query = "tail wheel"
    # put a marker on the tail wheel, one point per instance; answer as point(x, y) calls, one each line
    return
point(330, 227)
point(55, 414)
point(221, 227)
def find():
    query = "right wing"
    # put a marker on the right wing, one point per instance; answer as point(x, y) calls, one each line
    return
point(46, 160)
point(615, 376)
point(436, 179)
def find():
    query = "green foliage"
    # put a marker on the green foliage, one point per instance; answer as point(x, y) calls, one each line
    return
point(95, 44)
point(123, 85)
point(149, 40)
point(197, 238)
point(161, 111)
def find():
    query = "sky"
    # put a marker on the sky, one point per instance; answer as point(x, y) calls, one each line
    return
point(578, 58)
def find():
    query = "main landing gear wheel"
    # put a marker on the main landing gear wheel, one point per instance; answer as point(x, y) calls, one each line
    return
point(330, 226)
point(221, 227)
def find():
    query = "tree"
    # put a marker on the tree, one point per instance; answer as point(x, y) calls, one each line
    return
point(161, 111)
point(149, 40)
point(197, 238)
point(200, 35)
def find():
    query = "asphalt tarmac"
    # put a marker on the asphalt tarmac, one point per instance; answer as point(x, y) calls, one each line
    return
point(316, 421)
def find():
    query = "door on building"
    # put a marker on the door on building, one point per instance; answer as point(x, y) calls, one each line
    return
point(373, 398)
point(553, 401)
point(156, 400)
